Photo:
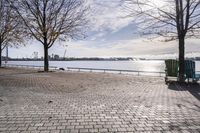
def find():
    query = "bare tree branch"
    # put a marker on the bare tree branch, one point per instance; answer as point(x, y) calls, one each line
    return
point(173, 19)
point(11, 27)
point(49, 21)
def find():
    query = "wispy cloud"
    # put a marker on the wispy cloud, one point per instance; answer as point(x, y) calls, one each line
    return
point(107, 15)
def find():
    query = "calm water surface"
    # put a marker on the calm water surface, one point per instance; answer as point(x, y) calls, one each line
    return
point(122, 65)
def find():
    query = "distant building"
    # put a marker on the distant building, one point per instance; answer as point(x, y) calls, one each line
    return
point(197, 58)
point(56, 57)
point(4, 58)
point(35, 55)
point(49, 57)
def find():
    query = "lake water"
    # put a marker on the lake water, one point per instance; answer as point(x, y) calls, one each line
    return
point(147, 65)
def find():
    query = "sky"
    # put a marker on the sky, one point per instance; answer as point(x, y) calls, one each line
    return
point(110, 35)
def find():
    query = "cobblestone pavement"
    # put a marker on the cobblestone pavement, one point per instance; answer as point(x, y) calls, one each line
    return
point(62, 102)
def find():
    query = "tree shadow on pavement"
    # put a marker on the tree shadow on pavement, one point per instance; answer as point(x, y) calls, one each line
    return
point(193, 88)
point(17, 73)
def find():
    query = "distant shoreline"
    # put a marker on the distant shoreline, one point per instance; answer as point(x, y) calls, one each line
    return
point(100, 60)
point(73, 59)
point(92, 60)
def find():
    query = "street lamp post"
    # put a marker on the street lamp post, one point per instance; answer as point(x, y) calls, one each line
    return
point(65, 51)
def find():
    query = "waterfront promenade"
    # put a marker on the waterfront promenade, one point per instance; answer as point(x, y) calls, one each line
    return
point(62, 102)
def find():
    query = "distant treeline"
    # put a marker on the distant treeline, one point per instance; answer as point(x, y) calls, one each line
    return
point(71, 59)
point(85, 59)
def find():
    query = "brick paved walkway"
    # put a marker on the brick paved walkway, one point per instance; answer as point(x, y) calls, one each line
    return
point(90, 102)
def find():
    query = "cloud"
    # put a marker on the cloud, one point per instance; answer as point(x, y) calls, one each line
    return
point(120, 48)
point(132, 48)
point(110, 35)
point(107, 15)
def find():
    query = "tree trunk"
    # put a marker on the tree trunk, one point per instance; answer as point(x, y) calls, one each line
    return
point(0, 55)
point(46, 58)
point(181, 77)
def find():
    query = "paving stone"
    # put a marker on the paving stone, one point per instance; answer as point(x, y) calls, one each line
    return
point(44, 131)
point(93, 102)
point(84, 130)
point(32, 128)
point(61, 127)
point(103, 130)
point(42, 128)
point(93, 130)
point(39, 124)
point(54, 131)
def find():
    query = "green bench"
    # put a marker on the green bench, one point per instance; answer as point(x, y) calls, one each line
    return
point(172, 70)
point(190, 71)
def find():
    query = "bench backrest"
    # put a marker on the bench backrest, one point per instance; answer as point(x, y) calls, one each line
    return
point(171, 67)
point(189, 69)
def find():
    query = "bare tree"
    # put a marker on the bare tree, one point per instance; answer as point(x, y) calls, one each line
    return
point(171, 19)
point(11, 30)
point(49, 21)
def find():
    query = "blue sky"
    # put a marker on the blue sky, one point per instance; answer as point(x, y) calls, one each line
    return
point(110, 35)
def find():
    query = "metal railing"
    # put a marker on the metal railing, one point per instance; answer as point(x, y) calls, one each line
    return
point(152, 73)
point(136, 72)
point(28, 66)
